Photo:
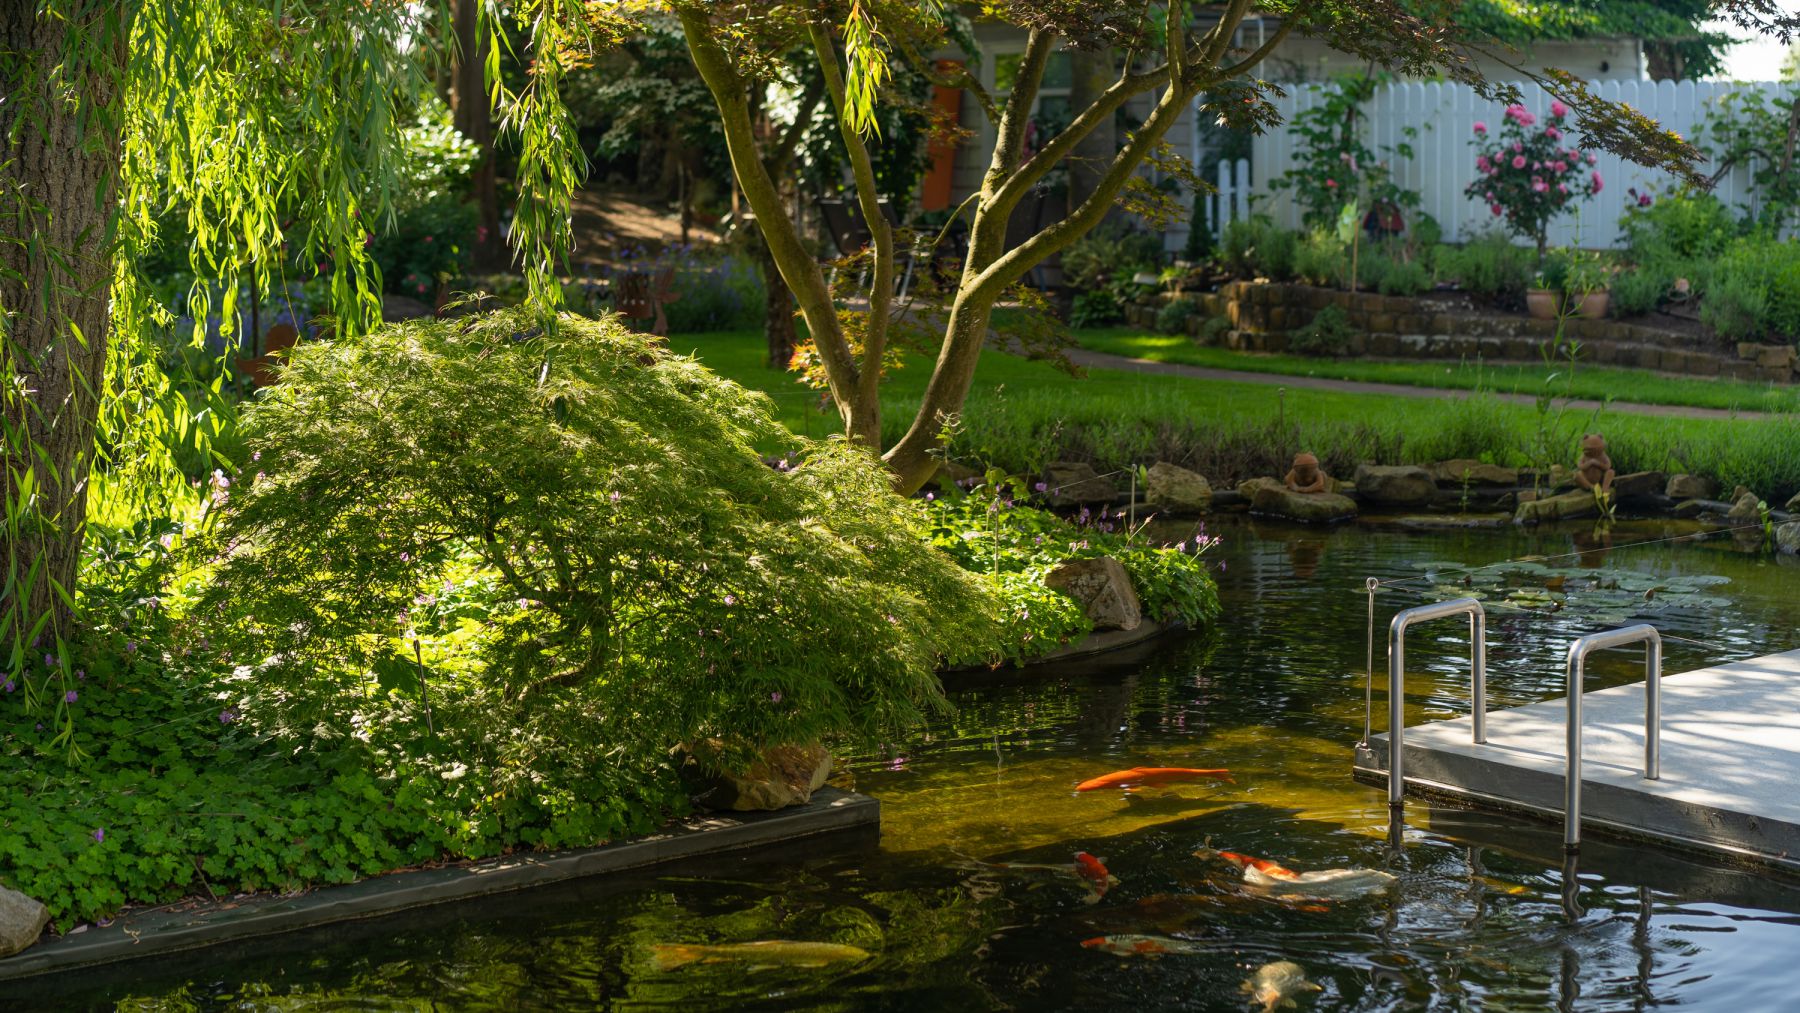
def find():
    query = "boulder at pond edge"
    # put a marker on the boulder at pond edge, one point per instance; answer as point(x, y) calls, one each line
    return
point(781, 777)
point(1072, 483)
point(22, 921)
point(1395, 485)
point(1175, 489)
point(1103, 588)
point(1305, 507)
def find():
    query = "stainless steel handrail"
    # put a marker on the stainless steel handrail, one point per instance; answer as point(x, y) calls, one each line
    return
point(1578, 652)
point(1397, 678)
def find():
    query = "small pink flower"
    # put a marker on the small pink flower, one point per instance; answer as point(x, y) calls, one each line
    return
point(1480, 127)
point(1537, 166)
point(775, 697)
point(1643, 200)
point(1482, 163)
point(1518, 146)
point(1518, 161)
point(1539, 186)
point(1560, 166)
point(1496, 209)
point(1331, 184)
point(1558, 110)
point(1598, 182)
point(1552, 133)
point(1592, 158)
point(1562, 188)
point(1489, 196)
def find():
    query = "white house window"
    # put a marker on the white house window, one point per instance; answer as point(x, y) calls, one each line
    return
point(1052, 108)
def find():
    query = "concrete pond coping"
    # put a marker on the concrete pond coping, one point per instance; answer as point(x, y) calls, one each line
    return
point(189, 926)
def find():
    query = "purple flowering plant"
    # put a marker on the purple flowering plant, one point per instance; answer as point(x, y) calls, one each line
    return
point(1529, 171)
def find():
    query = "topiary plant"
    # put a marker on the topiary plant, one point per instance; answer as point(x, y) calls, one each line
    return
point(629, 572)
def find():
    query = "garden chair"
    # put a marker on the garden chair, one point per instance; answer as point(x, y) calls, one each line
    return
point(642, 296)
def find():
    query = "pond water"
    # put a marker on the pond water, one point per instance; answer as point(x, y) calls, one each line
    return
point(1482, 914)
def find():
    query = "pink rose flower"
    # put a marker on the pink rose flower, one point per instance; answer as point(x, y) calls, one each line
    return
point(1552, 133)
point(1495, 208)
point(1558, 110)
point(1592, 158)
point(1518, 147)
point(1562, 188)
point(1518, 161)
point(1598, 182)
point(1480, 127)
point(1561, 166)
point(1331, 184)
point(1481, 163)
point(1539, 186)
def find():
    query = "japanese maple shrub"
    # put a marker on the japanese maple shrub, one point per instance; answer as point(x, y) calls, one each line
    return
point(579, 531)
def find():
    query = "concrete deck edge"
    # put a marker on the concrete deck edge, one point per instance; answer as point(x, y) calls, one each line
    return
point(1377, 776)
point(160, 931)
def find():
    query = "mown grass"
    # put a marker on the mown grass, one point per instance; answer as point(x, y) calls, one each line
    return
point(1022, 414)
point(1598, 383)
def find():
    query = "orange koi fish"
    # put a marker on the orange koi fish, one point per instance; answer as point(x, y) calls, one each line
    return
point(1085, 867)
point(1138, 777)
point(1141, 946)
point(1270, 869)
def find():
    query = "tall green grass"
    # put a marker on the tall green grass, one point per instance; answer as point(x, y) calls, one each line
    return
point(1022, 414)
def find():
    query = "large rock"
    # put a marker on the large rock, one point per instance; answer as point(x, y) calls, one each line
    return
point(22, 921)
point(1793, 505)
point(1454, 473)
point(1639, 485)
point(1102, 587)
point(1395, 485)
point(1249, 487)
point(1072, 483)
point(1747, 510)
point(1557, 508)
point(1788, 537)
point(781, 777)
point(1176, 489)
point(1690, 487)
point(1306, 507)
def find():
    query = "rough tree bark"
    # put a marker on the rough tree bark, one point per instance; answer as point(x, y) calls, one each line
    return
point(471, 113)
point(58, 174)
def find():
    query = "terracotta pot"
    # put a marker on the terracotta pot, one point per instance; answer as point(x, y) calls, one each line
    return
point(1593, 305)
point(1541, 302)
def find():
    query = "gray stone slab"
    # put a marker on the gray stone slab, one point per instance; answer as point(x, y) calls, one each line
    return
point(1730, 761)
point(204, 924)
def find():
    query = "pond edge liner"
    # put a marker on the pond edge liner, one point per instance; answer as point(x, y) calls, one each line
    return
point(159, 931)
point(1097, 642)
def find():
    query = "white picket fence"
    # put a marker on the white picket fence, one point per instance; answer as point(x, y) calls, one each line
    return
point(1443, 163)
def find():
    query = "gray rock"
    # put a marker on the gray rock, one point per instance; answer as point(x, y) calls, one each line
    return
point(1453, 473)
point(1793, 505)
point(1398, 485)
point(1102, 587)
point(1788, 537)
point(1690, 487)
point(1249, 487)
point(1745, 511)
point(1639, 485)
point(1177, 489)
point(1557, 508)
point(1306, 507)
point(1073, 483)
point(22, 921)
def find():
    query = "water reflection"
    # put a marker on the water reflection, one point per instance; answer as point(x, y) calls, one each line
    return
point(1485, 914)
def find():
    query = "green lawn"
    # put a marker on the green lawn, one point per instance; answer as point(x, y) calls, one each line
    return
point(1591, 382)
point(1022, 414)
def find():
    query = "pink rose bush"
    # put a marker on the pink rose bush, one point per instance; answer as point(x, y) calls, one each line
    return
point(1527, 174)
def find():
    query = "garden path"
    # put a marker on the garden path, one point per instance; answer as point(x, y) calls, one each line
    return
point(1088, 357)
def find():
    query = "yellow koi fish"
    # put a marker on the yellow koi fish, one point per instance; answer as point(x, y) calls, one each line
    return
point(770, 952)
point(1276, 984)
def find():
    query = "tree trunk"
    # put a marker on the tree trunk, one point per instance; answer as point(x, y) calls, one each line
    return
point(472, 114)
point(58, 174)
point(1091, 73)
point(778, 305)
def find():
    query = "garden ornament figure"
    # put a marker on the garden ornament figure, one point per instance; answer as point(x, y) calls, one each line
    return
point(1595, 470)
point(1306, 476)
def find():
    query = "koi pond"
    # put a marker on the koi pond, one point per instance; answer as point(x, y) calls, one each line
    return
point(1481, 915)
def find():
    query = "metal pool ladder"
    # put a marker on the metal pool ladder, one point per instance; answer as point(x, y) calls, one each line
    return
point(1578, 652)
point(1396, 680)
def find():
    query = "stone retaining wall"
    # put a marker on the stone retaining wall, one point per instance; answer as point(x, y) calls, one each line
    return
point(1422, 327)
